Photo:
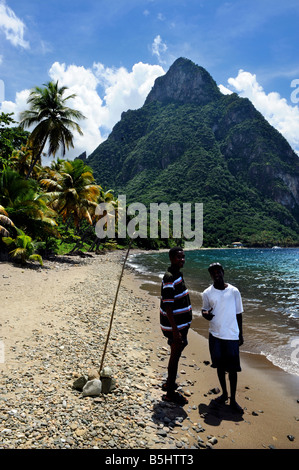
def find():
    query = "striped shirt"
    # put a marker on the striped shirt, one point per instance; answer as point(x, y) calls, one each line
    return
point(175, 293)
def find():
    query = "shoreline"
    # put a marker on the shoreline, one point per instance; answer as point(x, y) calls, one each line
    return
point(53, 323)
point(151, 283)
point(270, 384)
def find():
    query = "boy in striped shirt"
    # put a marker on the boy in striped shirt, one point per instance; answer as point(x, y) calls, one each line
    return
point(175, 319)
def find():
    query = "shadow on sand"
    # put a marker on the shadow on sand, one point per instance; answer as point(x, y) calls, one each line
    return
point(214, 413)
point(168, 413)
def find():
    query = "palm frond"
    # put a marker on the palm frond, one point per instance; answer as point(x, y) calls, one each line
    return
point(53, 119)
point(18, 252)
point(6, 220)
point(3, 211)
point(3, 232)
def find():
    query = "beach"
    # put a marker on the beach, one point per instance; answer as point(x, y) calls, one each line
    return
point(54, 323)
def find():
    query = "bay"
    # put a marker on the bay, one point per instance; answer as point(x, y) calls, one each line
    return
point(268, 280)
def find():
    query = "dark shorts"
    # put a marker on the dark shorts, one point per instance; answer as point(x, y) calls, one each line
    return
point(225, 354)
point(184, 333)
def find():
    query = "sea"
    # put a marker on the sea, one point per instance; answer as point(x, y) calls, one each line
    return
point(268, 280)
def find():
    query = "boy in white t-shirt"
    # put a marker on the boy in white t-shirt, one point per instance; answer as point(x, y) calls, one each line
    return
point(222, 306)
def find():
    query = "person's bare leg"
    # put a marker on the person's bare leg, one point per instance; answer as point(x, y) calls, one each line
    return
point(221, 377)
point(233, 387)
point(175, 354)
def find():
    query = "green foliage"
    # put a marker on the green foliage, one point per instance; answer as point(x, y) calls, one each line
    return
point(11, 138)
point(71, 190)
point(25, 204)
point(53, 211)
point(22, 248)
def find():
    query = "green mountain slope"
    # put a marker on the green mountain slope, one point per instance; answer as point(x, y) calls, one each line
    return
point(190, 143)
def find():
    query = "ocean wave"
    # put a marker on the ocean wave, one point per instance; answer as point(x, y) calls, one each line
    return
point(283, 363)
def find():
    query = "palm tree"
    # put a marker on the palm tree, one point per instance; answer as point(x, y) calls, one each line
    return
point(20, 161)
point(24, 204)
point(54, 121)
point(71, 190)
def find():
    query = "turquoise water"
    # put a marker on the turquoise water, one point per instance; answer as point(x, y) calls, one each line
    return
point(268, 280)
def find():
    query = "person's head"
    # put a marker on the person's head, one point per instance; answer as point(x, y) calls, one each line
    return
point(177, 256)
point(216, 271)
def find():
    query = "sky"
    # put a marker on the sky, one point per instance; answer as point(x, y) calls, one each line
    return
point(109, 53)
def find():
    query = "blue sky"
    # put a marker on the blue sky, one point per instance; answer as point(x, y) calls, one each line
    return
point(109, 53)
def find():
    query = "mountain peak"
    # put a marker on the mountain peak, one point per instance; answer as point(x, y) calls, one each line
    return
point(185, 82)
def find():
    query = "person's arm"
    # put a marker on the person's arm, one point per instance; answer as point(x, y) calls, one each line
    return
point(240, 325)
point(207, 314)
point(206, 311)
point(239, 308)
point(177, 337)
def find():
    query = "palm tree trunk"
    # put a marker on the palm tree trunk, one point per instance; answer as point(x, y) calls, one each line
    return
point(95, 245)
point(32, 164)
point(37, 157)
point(80, 242)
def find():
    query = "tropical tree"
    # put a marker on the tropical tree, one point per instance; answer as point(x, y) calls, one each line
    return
point(23, 248)
point(54, 121)
point(24, 204)
point(20, 161)
point(11, 138)
point(71, 191)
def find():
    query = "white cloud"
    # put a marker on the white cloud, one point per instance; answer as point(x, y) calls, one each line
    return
point(15, 107)
point(12, 26)
point(159, 48)
point(225, 90)
point(281, 115)
point(125, 90)
point(122, 90)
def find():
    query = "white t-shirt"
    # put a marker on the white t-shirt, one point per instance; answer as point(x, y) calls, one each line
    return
point(226, 305)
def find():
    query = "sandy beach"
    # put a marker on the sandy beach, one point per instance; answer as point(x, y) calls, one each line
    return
point(54, 322)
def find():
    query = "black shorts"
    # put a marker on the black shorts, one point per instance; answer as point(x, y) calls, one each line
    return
point(184, 333)
point(225, 354)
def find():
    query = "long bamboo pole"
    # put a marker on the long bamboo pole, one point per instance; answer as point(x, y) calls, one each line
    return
point(114, 304)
